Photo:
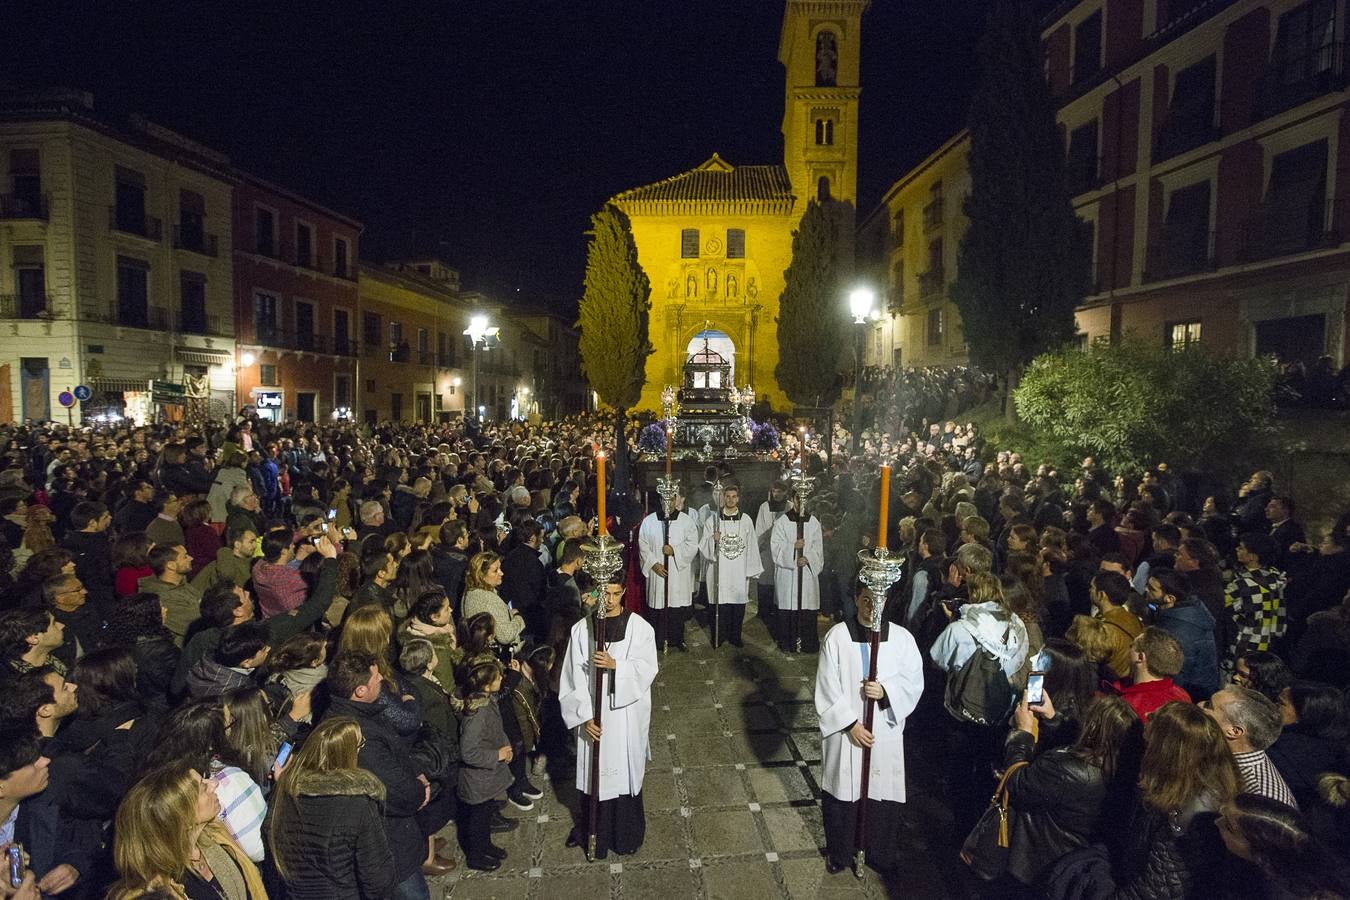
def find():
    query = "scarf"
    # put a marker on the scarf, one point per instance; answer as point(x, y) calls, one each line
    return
point(418, 628)
point(229, 867)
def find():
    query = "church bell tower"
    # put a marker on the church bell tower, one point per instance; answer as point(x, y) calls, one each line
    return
point(820, 48)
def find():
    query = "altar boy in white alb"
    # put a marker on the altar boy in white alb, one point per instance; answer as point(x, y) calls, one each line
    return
point(677, 565)
point(629, 664)
point(729, 543)
point(798, 596)
point(840, 687)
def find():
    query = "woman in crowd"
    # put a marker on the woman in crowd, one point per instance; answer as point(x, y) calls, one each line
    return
point(131, 562)
point(200, 538)
point(251, 734)
point(1315, 739)
point(431, 619)
point(416, 573)
point(137, 623)
point(1071, 677)
point(484, 577)
point(1283, 858)
point(195, 734)
point(370, 630)
point(297, 667)
point(169, 842)
point(326, 830)
point(1056, 801)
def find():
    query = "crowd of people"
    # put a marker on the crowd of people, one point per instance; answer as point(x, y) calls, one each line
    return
point(257, 660)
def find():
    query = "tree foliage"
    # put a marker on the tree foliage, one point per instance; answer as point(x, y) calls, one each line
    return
point(1024, 262)
point(614, 310)
point(1137, 403)
point(812, 325)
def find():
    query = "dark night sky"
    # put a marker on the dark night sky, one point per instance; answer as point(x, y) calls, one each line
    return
point(490, 131)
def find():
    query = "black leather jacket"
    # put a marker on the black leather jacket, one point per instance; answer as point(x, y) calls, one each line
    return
point(1053, 808)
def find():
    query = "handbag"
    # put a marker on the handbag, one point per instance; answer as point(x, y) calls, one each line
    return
point(986, 847)
point(434, 756)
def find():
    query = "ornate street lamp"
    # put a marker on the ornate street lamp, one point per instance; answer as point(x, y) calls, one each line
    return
point(860, 303)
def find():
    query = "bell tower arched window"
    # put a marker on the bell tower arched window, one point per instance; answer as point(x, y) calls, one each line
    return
point(823, 188)
point(824, 132)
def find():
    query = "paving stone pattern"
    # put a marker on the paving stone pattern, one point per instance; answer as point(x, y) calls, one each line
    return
point(732, 796)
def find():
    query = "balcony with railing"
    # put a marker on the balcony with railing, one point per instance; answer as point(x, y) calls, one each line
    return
point(447, 361)
point(932, 214)
point(1290, 82)
point(152, 318)
point(192, 323)
point(135, 222)
point(27, 306)
point(1285, 226)
point(194, 240)
point(1181, 250)
point(24, 206)
point(425, 357)
point(345, 346)
point(931, 285)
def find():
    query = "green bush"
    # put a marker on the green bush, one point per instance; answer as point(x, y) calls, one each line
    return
point(1136, 403)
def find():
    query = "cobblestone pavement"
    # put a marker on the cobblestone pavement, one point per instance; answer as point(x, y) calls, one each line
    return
point(732, 796)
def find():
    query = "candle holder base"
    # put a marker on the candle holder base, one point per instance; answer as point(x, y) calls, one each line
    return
point(879, 568)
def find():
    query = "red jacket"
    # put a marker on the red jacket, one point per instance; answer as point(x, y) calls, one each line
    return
point(1146, 698)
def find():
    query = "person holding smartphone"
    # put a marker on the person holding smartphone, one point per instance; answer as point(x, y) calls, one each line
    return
point(1055, 800)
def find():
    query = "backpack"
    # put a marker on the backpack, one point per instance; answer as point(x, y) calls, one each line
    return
point(979, 691)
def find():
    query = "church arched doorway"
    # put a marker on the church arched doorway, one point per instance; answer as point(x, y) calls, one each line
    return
point(718, 342)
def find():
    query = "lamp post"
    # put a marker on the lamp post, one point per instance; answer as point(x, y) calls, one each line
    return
point(480, 331)
point(860, 301)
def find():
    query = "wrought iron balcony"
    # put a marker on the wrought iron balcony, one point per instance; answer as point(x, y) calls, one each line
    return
point(195, 240)
point(931, 285)
point(191, 323)
point(24, 206)
point(135, 222)
point(27, 306)
point(152, 318)
point(1291, 82)
point(1180, 251)
point(1285, 226)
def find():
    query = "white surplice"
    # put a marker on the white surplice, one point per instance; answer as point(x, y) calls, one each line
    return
point(733, 575)
point(626, 708)
point(764, 521)
point(785, 563)
point(839, 703)
point(684, 541)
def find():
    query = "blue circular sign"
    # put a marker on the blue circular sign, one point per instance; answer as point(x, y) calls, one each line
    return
point(66, 399)
point(82, 392)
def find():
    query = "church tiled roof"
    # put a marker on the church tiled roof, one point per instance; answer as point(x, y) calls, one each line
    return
point(715, 185)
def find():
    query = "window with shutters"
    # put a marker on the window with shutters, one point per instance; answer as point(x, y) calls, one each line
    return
point(1186, 240)
point(689, 243)
point(192, 303)
point(266, 317)
point(342, 256)
point(370, 330)
point(129, 201)
point(133, 285)
point(304, 245)
point(25, 184)
point(1294, 213)
point(1190, 115)
point(265, 231)
point(1087, 52)
point(935, 327)
point(1082, 163)
point(735, 243)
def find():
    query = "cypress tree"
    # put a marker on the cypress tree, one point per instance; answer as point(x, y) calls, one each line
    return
point(812, 324)
point(613, 322)
point(1024, 262)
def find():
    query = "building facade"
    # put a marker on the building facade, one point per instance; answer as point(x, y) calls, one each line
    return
point(413, 354)
point(295, 305)
point(715, 241)
point(1202, 142)
point(116, 246)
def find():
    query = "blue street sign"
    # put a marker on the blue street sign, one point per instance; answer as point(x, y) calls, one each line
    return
point(66, 399)
point(82, 392)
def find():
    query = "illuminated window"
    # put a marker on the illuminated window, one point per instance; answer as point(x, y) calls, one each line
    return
point(689, 243)
point(1184, 335)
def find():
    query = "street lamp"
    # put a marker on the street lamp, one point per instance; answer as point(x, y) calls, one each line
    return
point(860, 303)
point(480, 331)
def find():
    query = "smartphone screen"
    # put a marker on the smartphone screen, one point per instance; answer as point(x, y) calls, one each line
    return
point(1035, 688)
point(332, 514)
point(283, 754)
point(15, 865)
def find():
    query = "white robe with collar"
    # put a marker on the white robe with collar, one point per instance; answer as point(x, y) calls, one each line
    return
point(732, 575)
point(785, 563)
point(839, 703)
point(626, 711)
point(684, 541)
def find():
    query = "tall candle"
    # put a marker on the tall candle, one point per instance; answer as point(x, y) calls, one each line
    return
point(802, 431)
point(670, 442)
point(600, 490)
point(885, 503)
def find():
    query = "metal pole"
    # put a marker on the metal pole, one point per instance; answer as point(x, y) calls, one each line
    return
point(861, 336)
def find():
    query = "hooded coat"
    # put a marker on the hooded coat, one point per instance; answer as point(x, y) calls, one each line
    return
point(982, 625)
point(333, 845)
point(1193, 626)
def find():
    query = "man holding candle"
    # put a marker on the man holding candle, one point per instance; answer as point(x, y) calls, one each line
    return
point(797, 562)
point(729, 541)
point(673, 559)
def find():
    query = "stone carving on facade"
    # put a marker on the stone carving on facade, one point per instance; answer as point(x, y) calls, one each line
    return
point(827, 60)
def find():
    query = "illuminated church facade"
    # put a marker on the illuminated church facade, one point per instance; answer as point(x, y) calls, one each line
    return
point(716, 240)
